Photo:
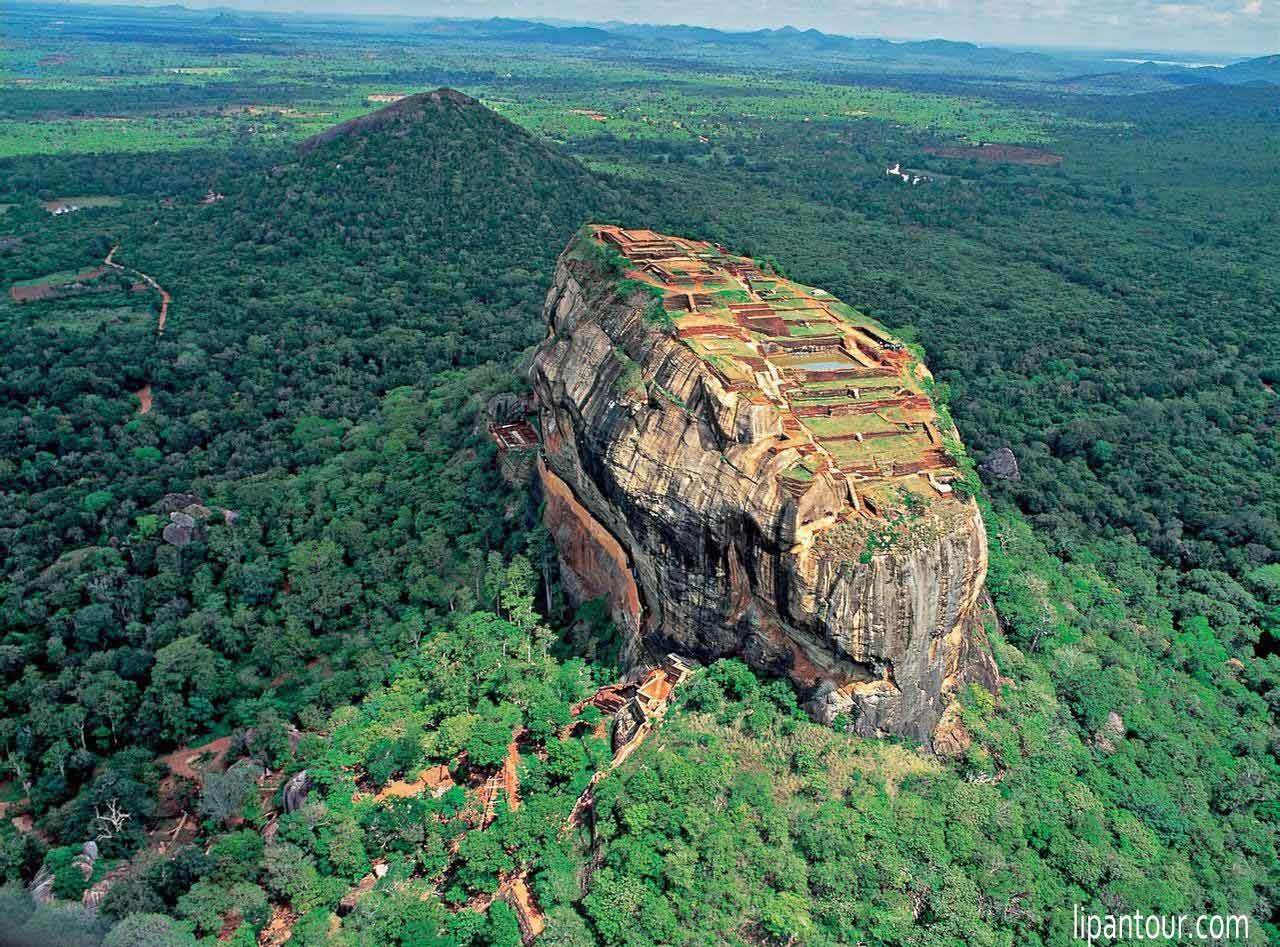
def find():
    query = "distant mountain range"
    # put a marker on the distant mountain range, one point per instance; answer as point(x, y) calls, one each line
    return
point(1155, 76)
point(789, 41)
point(784, 41)
point(1074, 71)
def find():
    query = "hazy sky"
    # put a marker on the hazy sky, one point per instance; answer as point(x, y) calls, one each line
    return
point(1242, 26)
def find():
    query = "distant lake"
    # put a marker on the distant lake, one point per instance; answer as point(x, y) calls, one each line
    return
point(1172, 62)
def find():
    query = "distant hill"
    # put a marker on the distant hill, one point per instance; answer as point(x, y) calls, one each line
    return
point(433, 214)
point(940, 55)
point(785, 41)
point(517, 31)
point(1156, 77)
point(1262, 69)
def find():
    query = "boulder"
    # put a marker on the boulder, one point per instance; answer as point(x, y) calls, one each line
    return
point(951, 737)
point(85, 864)
point(1111, 732)
point(294, 795)
point(180, 530)
point(173, 502)
point(41, 886)
point(1000, 464)
point(505, 408)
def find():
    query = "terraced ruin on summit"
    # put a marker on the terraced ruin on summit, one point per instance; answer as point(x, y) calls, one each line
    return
point(745, 466)
point(853, 398)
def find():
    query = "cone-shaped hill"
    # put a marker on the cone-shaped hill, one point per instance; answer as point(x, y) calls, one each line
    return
point(433, 215)
point(439, 166)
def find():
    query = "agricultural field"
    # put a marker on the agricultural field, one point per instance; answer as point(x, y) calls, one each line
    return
point(140, 96)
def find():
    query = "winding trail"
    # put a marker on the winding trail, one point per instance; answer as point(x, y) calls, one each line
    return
point(143, 393)
point(165, 298)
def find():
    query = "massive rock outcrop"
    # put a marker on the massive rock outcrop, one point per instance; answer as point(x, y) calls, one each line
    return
point(746, 466)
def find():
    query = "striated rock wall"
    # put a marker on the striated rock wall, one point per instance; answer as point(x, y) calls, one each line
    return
point(593, 563)
point(704, 550)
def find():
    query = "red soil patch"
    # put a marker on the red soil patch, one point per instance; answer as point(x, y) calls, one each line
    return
point(510, 777)
point(436, 778)
point(1006, 154)
point(528, 915)
point(182, 762)
point(280, 929)
point(27, 823)
point(24, 294)
point(144, 396)
point(229, 924)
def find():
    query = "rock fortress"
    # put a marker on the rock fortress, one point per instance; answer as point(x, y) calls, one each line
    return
point(747, 466)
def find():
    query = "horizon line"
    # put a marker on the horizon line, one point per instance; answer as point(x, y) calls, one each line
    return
point(558, 22)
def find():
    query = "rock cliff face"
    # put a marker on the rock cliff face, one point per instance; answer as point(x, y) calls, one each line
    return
point(773, 487)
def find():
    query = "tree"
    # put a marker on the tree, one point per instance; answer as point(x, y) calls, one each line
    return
point(516, 594)
point(293, 876)
point(321, 582)
point(502, 929)
point(489, 739)
point(149, 930)
point(237, 856)
point(186, 681)
point(109, 697)
point(223, 795)
point(67, 925)
point(785, 917)
point(109, 820)
point(208, 903)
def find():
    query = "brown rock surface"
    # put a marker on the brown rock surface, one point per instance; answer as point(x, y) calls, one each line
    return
point(671, 495)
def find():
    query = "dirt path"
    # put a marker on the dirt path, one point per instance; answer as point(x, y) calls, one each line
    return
point(143, 393)
point(165, 298)
point(652, 693)
point(183, 762)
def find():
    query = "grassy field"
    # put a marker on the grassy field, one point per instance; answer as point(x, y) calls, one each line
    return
point(62, 276)
point(101, 135)
point(83, 200)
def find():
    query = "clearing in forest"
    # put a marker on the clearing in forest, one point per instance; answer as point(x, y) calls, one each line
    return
point(1002, 154)
point(63, 205)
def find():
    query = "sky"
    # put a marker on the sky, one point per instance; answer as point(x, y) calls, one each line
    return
point(1244, 27)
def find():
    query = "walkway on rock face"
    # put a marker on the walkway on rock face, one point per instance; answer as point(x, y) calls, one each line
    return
point(165, 298)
